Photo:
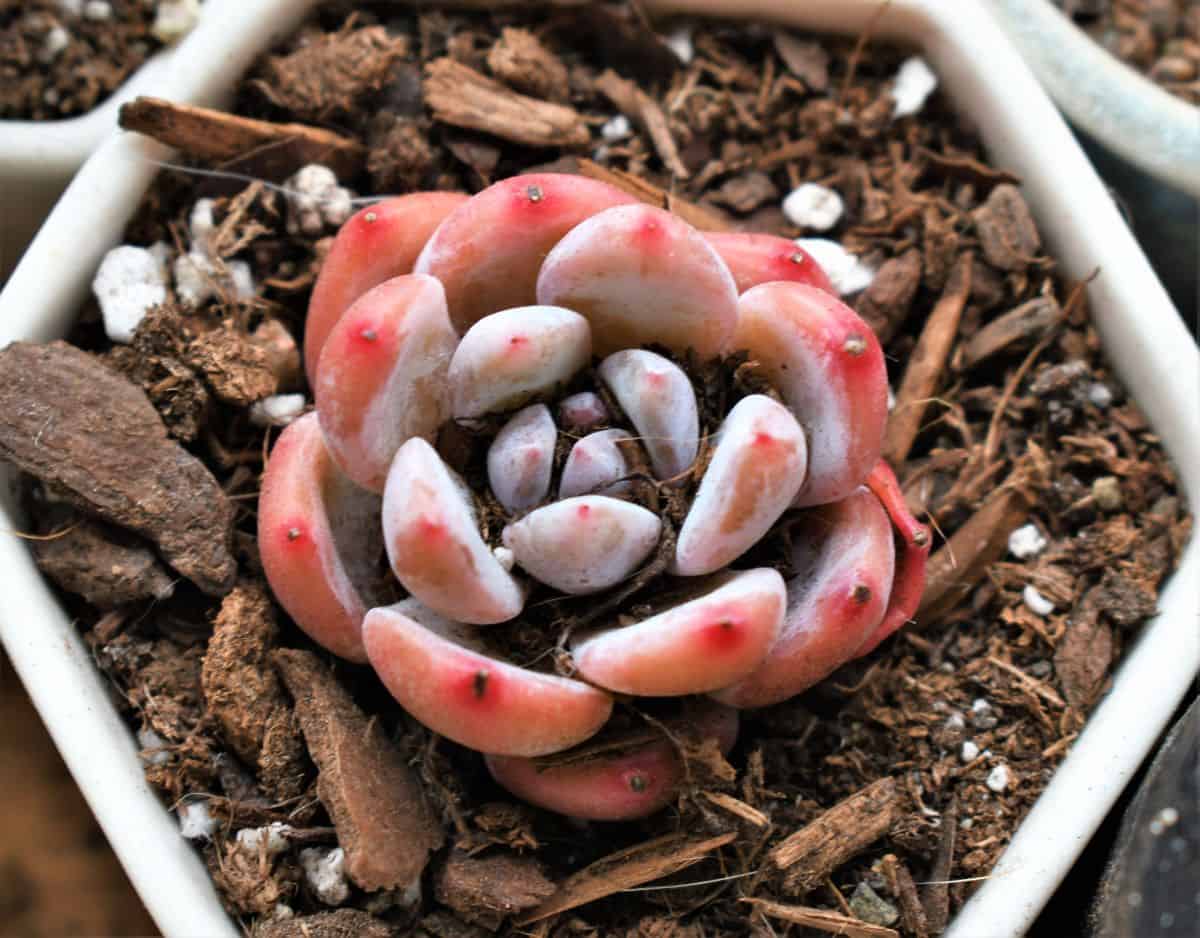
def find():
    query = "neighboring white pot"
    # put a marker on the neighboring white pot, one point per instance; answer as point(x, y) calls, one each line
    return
point(38, 158)
point(986, 79)
point(1118, 105)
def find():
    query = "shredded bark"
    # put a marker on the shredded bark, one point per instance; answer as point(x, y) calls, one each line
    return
point(383, 819)
point(643, 110)
point(462, 97)
point(341, 923)
point(91, 436)
point(1029, 321)
point(487, 890)
point(217, 137)
point(519, 59)
point(821, 920)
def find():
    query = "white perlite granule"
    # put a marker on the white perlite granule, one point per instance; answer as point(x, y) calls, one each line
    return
point(316, 201)
point(813, 206)
point(195, 822)
point(278, 410)
point(998, 778)
point(1036, 602)
point(273, 835)
point(1026, 541)
point(616, 128)
point(129, 281)
point(325, 870)
point(679, 41)
point(846, 272)
point(915, 82)
point(174, 19)
point(969, 751)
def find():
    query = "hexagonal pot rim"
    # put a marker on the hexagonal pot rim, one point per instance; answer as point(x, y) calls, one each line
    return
point(984, 75)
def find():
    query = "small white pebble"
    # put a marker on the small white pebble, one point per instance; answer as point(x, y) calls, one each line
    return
point(154, 747)
point(980, 705)
point(53, 44)
point(679, 41)
point(998, 778)
point(846, 272)
point(966, 823)
point(505, 557)
point(71, 7)
point(616, 128)
point(814, 206)
point(51, 96)
point(1036, 602)
point(201, 223)
point(1167, 817)
point(129, 281)
point(98, 10)
point(325, 871)
point(1026, 541)
point(891, 399)
point(914, 83)
point(282, 911)
point(278, 410)
point(955, 722)
point(1100, 395)
point(195, 277)
point(174, 19)
point(316, 200)
point(195, 823)
point(241, 279)
point(273, 835)
point(969, 751)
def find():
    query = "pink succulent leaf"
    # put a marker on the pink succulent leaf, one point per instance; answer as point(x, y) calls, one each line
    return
point(757, 467)
point(631, 782)
point(844, 558)
point(764, 258)
point(643, 275)
point(521, 457)
point(429, 665)
point(913, 543)
point(594, 465)
point(434, 545)
point(488, 251)
point(380, 242)
point(710, 641)
point(382, 376)
point(828, 365)
point(659, 401)
point(582, 412)
point(514, 355)
point(584, 544)
point(315, 536)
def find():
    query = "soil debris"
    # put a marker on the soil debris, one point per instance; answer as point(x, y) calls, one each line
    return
point(342, 923)
point(822, 920)
point(383, 820)
point(487, 890)
point(519, 59)
point(94, 438)
point(1006, 229)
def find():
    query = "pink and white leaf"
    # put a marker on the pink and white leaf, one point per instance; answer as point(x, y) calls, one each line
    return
point(434, 545)
point(828, 365)
point(521, 458)
point(317, 538)
point(509, 357)
point(659, 401)
point(764, 258)
point(429, 665)
point(700, 645)
point(382, 376)
point(582, 412)
point(757, 467)
point(643, 275)
point(844, 559)
point(584, 544)
point(594, 465)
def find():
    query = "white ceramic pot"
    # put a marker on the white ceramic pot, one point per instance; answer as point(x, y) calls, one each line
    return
point(1118, 105)
point(987, 80)
point(38, 158)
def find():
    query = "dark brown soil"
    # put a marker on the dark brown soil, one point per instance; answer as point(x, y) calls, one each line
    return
point(60, 59)
point(1160, 38)
point(859, 807)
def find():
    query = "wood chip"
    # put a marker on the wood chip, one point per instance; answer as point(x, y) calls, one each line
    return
point(926, 364)
point(1006, 229)
point(850, 826)
point(519, 59)
point(737, 808)
point(1083, 658)
point(462, 97)
point(94, 438)
point(962, 561)
point(886, 302)
point(695, 215)
point(804, 58)
point(278, 150)
point(487, 890)
point(1030, 320)
point(966, 168)
point(935, 896)
point(900, 881)
point(644, 111)
point(833, 923)
point(626, 869)
point(383, 820)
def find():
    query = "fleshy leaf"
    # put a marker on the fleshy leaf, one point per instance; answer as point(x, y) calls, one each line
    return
point(520, 459)
point(594, 465)
point(764, 258)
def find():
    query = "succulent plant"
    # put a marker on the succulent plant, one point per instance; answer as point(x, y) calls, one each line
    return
point(507, 405)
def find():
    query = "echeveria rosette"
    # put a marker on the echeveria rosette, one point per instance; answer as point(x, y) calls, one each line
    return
point(433, 309)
